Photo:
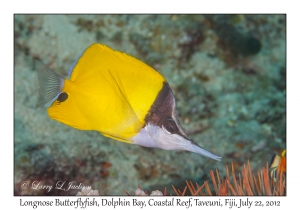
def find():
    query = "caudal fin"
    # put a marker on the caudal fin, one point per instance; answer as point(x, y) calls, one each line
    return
point(50, 83)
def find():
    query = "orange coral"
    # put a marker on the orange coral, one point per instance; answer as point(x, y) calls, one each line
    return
point(248, 185)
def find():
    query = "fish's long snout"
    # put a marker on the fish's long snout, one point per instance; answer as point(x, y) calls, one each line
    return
point(154, 136)
point(194, 147)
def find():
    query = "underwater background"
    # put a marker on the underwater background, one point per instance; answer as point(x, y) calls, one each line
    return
point(228, 75)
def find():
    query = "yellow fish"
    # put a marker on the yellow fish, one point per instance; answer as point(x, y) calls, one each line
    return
point(118, 96)
point(277, 163)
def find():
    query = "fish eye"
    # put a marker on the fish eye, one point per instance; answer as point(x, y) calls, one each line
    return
point(170, 126)
point(62, 97)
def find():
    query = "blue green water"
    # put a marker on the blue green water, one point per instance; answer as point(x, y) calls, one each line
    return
point(229, 84)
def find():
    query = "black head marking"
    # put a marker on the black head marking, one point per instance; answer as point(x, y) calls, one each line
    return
point(62, 97)
point(162, 112)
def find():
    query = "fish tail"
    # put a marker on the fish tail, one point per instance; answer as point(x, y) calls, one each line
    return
point(50, 83)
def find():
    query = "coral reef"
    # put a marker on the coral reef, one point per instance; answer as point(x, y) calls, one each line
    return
point(144, 48)
point(140, 192)
point(250, 184)
point(231, 99)
point(237, 42)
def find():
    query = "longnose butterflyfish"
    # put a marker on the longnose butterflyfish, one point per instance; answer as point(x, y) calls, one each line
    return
point(119, 96)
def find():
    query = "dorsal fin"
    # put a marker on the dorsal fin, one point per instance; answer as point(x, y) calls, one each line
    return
point(50, 83)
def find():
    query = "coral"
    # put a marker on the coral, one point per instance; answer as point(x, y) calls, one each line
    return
point(33, 160)
point(117, 37)
point(238, 43)
point(235, 41)
point(141, 192)
point(143, 46)
point(189, 44)
point(249, 185)
point(48, 164)
point(156, 192)
point(84, 24)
